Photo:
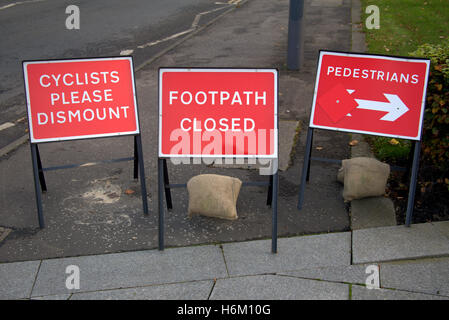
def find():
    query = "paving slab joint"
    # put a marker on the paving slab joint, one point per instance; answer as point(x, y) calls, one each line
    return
point(224, 260)
point(35, 279)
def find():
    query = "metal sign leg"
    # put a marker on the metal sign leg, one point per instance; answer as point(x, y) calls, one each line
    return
point(136, 158)
point(412, 187)
point(274, 208)
point(310, 155)
point(166, 186)
point(305, 167)
point(160, 190)
point(143, 186)
point(37, 188)
point(41, 171)
point(270, 191)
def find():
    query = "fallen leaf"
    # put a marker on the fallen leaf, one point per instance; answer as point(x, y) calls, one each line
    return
point(129, 191)
point(394, 141)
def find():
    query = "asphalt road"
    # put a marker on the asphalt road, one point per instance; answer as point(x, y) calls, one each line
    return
point(36, 29)
point(98, 209)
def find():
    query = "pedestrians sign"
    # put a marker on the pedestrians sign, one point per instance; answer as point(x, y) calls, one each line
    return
point(370, 94)
point(80, 98)
point(218, 113)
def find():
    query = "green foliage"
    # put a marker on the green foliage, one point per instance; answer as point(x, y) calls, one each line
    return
point(406, 24)
point(392, 151)
point(436, 119)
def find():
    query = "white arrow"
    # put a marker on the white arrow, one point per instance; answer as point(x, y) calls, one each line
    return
point(395, 107)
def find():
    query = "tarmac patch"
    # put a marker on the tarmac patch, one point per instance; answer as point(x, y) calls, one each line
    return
point(101, 193)
point(104, 192)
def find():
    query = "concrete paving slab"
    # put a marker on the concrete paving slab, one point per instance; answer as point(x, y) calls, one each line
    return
point(442, 227)
point(355, 274)
point(53, 297)
point(197, 290)
point(131, 269)
point(274, 287)
point(398, 243)
point(287, 134)
point(361, 149)
point(358, 43)
point(255, 257)
point(17, 279)
point(429, 276)
point(326, 3)
point(362, 293)
point(372, 212)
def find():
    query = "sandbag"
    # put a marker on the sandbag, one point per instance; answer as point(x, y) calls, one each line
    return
point(363, 177)
point(213, 195)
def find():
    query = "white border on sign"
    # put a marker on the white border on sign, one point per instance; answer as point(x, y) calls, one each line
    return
point(368, 56)
point(103, 135)
point(276, 97)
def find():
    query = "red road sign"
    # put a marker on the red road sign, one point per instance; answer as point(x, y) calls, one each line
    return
point(80, 98)
point(218, 113)
point(370, 94)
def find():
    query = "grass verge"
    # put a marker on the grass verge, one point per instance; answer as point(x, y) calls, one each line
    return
point(406, 24)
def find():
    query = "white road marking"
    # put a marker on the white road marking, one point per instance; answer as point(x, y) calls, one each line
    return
point(17, 3)
point(126, 52)
point(6, 125)
point(176, 35)
point(193, 27)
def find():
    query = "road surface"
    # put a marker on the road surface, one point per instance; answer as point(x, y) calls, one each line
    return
point(36, 29)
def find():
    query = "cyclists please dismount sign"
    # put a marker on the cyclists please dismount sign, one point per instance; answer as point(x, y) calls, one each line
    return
point(370, 94)
point(77, 99)
point(70, 99)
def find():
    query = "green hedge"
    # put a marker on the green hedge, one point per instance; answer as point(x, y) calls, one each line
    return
point(435, 150)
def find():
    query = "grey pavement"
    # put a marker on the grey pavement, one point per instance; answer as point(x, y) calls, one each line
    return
point(325, 266)
point(112, 245)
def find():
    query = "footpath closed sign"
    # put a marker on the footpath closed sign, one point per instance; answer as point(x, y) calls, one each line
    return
point(218, 112)
point(370, 94)
point(80, 98)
